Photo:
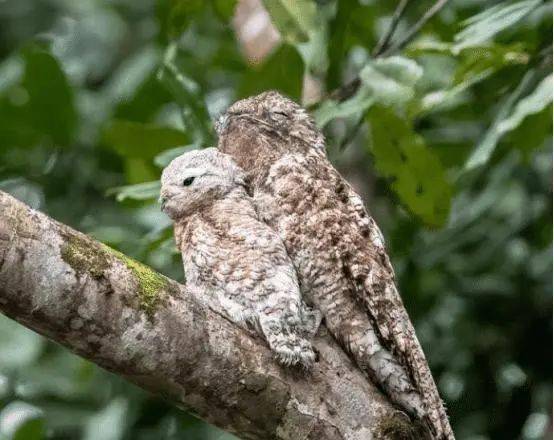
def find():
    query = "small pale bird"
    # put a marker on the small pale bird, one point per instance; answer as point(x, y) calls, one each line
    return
point(336, 247)
point(232, 259)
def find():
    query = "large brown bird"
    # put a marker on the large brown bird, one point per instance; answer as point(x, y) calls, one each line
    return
point(336, 247)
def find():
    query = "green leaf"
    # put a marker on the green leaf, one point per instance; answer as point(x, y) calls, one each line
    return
point(475, 65)
point(338, 46)
point(19, 347)
point(533, 132)
point(491, 57)
point(109, 423)
point(303, 24)
point(132, 73)
point(181, 14)
point(450, 97)
point(51, 109)
point(11, 72)
point(65, 416)
point(15, 128)
point(140, 191)
point(165, 157)
point(133, 88)
point(474, 59)
point(388, 81)
point(36, 101)
point(55, 376)
point(510, 116)
point(484, 26)
point(21, 421)
point(295, 19)
point(416, 174)
point(139, 171)
point(224, 8)
point(531, 104)
point(314, 52)
point(283, 70)
point(188, 95)
point(145, 103)
point(141, 141)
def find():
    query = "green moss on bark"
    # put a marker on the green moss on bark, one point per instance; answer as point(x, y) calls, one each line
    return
point(84, 256)
point(151, 285)
point(81, 254)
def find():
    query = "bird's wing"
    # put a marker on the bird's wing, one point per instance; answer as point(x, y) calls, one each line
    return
point(374, 277)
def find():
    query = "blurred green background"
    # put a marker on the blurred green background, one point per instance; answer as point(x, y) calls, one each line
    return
point(449, 141)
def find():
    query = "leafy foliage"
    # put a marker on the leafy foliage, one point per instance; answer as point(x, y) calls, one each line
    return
point(295, 20)
point(27, 107)
point(144, 141)
point(481, 27)
point(416, 173)
point(511, 115)
point(21, 421)
point(389, 81)
point(448, 140)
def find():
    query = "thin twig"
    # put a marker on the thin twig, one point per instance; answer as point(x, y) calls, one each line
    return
point(349, 89)
point(383, 43)
point(346, 91)
point(417, 27)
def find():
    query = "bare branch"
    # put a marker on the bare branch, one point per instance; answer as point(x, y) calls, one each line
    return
point(151, 330)
point(349, 89)
point(416, 27)
point(383, 43)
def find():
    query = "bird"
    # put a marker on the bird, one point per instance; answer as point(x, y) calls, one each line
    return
point(232, 260)
point(336, 247)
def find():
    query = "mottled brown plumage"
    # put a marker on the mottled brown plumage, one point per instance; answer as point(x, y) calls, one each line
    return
point(336, 247)
point(231, 258)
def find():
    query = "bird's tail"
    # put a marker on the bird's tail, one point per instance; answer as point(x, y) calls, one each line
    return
point(289, 336)
point(397, 332)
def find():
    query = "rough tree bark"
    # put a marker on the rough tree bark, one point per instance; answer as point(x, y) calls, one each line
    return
point(147, 328)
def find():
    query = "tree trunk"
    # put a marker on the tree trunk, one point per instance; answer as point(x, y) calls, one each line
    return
point(149, 329)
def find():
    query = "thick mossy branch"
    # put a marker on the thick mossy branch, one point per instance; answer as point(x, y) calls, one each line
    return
point(147, 328)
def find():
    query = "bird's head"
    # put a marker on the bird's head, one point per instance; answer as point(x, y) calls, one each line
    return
point(196, 179)
point(276, 113)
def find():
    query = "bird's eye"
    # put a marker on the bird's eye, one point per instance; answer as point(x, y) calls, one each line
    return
point(281, 113)
point(188, 181)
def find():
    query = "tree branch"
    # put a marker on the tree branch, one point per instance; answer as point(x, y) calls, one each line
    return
point(383, 43)
point(149, 329)
point(433, 10)
point(384, 48)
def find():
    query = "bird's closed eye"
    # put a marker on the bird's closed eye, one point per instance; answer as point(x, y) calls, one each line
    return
point(188, 181)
